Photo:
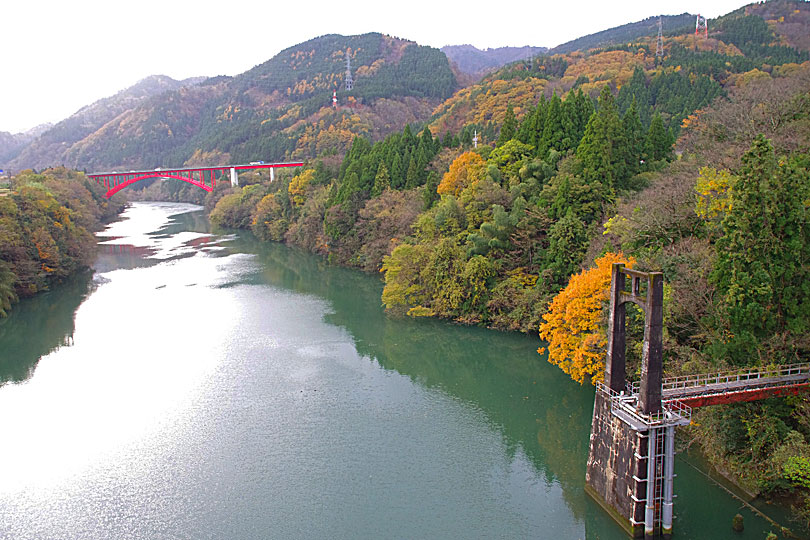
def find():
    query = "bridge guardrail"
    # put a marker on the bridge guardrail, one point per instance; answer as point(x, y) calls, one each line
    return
point(752, 374)
point(673, 411)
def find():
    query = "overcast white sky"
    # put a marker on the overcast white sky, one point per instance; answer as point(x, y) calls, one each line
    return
point(59, 55)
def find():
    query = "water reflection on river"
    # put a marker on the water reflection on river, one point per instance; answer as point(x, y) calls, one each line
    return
point(205, 385)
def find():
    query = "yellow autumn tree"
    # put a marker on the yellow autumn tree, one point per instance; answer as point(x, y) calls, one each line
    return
point(573, 325)
point(298, 186)
point(467, 169)
point(713, 189)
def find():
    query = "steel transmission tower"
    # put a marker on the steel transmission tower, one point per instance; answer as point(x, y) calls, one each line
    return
point(349, 80)
point(702, 26)
point(659, 48)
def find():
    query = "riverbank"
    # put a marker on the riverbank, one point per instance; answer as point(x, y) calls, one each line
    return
point(46, 225)
point(269, 371)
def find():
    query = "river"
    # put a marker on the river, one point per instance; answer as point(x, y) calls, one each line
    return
point(204, 385)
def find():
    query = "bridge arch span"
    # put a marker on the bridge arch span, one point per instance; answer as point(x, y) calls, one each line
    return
point(202, 177)
point(112, 191)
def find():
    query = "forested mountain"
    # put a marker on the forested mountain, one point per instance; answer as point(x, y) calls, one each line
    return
point(672, 25)
point(53, 145)
point(280, 109)
point(474, 61)
point(693, 164)
point(506, 207)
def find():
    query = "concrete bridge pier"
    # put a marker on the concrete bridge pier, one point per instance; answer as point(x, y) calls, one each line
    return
point(632, 446)
point(235, 177)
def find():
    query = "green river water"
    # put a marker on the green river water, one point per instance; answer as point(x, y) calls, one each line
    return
point(200, 385)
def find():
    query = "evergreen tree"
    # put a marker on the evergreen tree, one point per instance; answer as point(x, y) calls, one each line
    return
point(524, 132)
point(568, 241)
point(583, 110)
point(412, 177)
point(658, 145)
point(762, 267)
point(382, 181)
point(492, 234)
point(397, 175)
point(634, 137)
point(553, 130)
point(602, 148)
point(636, 89)
point(508, 128)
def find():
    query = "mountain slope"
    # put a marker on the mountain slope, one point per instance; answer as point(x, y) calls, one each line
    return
point(279, 109)
point(743, 45)
point(52, 146)
point(628, 32)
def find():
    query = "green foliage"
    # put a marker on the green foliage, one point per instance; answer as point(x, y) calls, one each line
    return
point(236, 209)
point(400, 161)
point(568, 241)
point(508, 128)
point(7, 294)
point(765, 284)
point(797, 471)
point(45, 230)
point(494, 234)
point(658, 144)
point(601, 149)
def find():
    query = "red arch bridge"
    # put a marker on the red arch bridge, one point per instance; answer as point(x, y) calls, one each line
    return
point(202, 177)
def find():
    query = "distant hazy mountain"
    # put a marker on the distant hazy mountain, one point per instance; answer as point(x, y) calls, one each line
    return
point(50, 143)
point(279, 109)
point(474, 61)
point(12, 144)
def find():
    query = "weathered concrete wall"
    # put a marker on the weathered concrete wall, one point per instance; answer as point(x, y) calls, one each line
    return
point(612, 465)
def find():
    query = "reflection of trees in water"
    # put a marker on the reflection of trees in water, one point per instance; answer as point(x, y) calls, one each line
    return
point(535, 406)
point(38, 326)
point(188, 221)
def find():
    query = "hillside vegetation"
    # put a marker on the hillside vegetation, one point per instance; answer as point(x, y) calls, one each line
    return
point(46, 226)
point(577, 165)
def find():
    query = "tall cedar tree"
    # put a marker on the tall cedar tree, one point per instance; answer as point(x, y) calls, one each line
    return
point(509, 127)
point(658, 145)
point(762, 267)
point(602, 149)
point(531, 129)
point(553, 129)
point(634, 134)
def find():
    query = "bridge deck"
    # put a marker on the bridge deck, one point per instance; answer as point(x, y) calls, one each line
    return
point(734, 386)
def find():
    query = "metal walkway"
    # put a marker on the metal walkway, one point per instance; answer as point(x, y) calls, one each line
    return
point(734, 386)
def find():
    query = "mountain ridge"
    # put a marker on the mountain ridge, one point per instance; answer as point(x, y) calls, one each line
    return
point(475, 61)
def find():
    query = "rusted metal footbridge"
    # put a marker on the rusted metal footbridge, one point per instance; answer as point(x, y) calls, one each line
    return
point(202, 177)
point(631, 460)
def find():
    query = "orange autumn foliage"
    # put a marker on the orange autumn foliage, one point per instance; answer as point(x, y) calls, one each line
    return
point(467, 169)
point(573, 328)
